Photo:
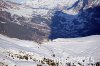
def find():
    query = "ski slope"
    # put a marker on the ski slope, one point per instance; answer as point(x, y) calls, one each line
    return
point(77, 51)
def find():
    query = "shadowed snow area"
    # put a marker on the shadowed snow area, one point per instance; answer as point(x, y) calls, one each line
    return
point(71, 26)
point(20, 52)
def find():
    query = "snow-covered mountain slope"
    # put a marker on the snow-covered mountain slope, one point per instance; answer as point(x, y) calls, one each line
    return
point(52, 4)
point(67, 6)
point(62, 52)
point(29, 8)
point(23, 10)
point(22, 21)
point(70, 26)
point(40, 20)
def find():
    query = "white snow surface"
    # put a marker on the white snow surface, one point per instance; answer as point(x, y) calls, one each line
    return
point(50, 4)
point(30, 8)
point(74, 49)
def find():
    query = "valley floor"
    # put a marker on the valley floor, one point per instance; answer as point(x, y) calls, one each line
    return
point(60, 52)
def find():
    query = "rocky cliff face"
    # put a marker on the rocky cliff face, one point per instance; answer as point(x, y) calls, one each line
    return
point(42, 20)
